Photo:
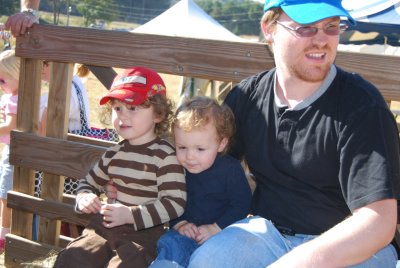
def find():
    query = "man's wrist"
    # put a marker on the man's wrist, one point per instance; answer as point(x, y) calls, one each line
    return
point(33, 12)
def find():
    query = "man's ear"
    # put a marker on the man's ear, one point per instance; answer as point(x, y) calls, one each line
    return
point(222, 144)
point(267, 31)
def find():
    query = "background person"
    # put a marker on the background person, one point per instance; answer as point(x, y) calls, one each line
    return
point(74, 121)
point(323, 147)
point(20, 22)
point(9, 76)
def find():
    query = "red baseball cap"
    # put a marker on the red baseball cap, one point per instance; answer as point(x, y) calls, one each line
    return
point(135, 85)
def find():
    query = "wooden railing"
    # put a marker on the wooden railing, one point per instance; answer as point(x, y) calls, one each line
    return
point(59, 154)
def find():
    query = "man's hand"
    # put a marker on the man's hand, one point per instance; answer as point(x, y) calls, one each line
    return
point(88, 203)
point(116, 215)
point(206, 231)
point(20, 22)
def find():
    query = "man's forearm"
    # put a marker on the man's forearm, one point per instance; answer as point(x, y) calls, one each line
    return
point(352, 241)
point(361, 235)
point(33, 4)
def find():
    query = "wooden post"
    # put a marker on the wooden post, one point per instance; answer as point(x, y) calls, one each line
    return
point(56, 127)
point(27, 121)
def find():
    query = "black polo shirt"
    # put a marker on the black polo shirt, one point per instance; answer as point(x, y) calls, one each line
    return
point(316, 164)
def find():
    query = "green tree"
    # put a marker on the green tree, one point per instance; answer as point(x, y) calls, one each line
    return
point(8, 7)
point(92, 10)
point(56, 11)
point(240, 17)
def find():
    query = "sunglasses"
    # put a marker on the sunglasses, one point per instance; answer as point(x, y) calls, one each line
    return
point(310, 31)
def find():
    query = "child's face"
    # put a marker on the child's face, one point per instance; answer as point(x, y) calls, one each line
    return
point(46, 71)
point(196, 150)
point(134, 123)
point(8, 84)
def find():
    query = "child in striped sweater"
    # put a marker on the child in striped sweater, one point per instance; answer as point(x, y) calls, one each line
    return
point(144, 169)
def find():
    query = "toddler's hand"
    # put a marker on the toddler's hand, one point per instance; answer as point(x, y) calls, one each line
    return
point(206, 231)
point(189, 230)
point(88, 203)
point(116, 215)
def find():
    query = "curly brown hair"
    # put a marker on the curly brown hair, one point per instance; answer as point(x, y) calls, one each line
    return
point(163, 109)
point(199, 111)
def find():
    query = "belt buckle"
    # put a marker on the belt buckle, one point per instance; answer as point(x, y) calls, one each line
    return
point(285, 231)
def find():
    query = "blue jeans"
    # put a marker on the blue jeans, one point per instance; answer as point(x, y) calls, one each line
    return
point(6, 172)
point(174, 250)
point(255, 242)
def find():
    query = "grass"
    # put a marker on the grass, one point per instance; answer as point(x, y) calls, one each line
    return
point(79, 21)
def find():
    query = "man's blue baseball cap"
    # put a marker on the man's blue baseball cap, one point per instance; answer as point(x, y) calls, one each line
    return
point(310, 11)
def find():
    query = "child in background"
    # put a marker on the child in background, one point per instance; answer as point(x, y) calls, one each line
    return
point(217, 188)
point(78, 91)
point(149, 181)
point(74, 122)
point(9, 76)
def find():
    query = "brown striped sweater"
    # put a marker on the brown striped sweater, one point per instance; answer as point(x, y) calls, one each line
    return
point(148, 179)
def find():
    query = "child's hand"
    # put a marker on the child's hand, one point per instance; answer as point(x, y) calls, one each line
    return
point(2, 114)
point(188, 229)
point(88, 203)
point(116, 215)
point(206, 231)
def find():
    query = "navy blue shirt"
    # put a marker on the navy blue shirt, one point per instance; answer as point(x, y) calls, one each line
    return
point(220, 194)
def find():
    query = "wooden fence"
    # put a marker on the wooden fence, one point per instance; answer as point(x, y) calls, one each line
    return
point(60, 154)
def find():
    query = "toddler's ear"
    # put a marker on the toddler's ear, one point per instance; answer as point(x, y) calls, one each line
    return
point(158, 118)
point(222, 144)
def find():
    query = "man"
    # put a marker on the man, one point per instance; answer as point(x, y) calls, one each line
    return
point(20, 22)
point(324, 150)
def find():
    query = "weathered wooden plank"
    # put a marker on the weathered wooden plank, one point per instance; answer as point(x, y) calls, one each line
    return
point(57, 156)
point(88, 140)
point(57, 126)
point(29, 95)
point(51, 210)
point(59, 94)
point(20, 250)
point(219, 60)
point(383, 71)
point(28, 100)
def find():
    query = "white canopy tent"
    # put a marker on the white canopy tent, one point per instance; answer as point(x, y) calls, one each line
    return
point(371, 49)
point(381, 16)
point(187, 19)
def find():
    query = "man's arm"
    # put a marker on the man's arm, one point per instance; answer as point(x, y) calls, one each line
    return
point(34, 4)
point(352, 241)
point(20, 22)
